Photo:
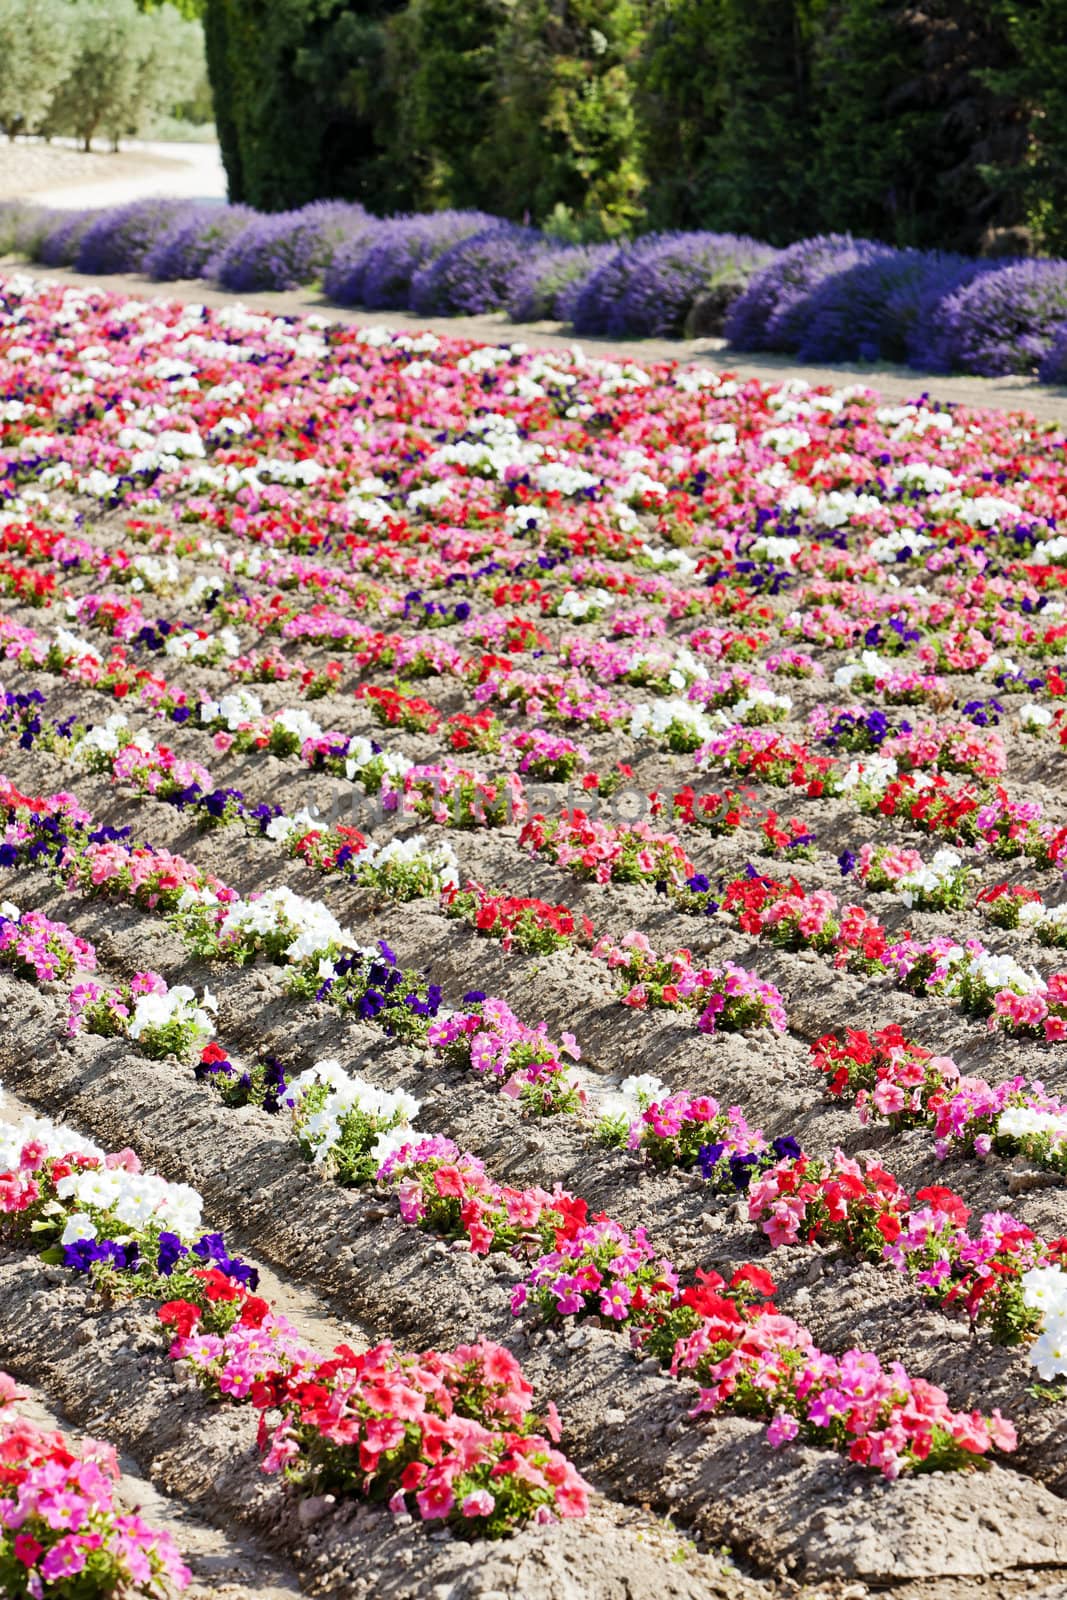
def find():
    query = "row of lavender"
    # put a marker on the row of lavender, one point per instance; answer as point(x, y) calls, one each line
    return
point(831, 298)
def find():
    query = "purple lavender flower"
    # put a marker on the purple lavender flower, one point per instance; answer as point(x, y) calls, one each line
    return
point(189, 247)
point(772, 312)
point(647, 289)
point(1004, 320)
point(58, 245)
point(474, 275)
point(1053, 367)
point(377, 269)
point(290, 248)
point(546, 284)
point(120, 238)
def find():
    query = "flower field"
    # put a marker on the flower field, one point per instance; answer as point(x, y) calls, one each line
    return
point(532, 953)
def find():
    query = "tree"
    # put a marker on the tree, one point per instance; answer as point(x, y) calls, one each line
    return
point(871, 148)
point(681, 99)
point(170, 62)
point(100, 90)
point(452, 90)
point(304, 104)
point(35, 50)
point(565, 128)
point(726, 99)
point(1038, 80)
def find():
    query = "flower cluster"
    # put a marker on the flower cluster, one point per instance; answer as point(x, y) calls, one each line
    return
point(36, 948)
point(526, 924)
point(730, 999)
point(607, 853)
point(491, 1040)
point(345, 1124)
point(447, 1435)
point(690, 1132)
point(63, 1530)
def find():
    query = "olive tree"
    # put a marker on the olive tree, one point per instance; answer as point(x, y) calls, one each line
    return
point(35, 51)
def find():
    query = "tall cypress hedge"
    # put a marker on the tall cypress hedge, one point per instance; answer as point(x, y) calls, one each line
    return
point(925, 122)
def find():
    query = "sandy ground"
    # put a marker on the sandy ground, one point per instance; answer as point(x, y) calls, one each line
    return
point(58, 174)
point(895, 383)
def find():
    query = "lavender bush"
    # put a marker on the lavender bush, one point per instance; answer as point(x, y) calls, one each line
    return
point(1005, 319)
point(547, 282)
point(22, 226)
point(770, 314)
point(1053, 368)
point(673, 271)
point(914, 306)
point(596, 306)
point(58, 244)
point(290, 248)
point(850, 315)
point(342, 280)
point(120, 237)
point(407, 246)
point(197, 236)
point(830, 298)
point(474, 275)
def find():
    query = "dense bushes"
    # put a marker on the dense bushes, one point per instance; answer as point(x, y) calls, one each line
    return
point(474, 275)
point(1004, 321)
point(289, 248)
point(832, 298)
point(1054, 365)
point(376, 270)
point(941, 125)
point(649, 288)
point(191, 244)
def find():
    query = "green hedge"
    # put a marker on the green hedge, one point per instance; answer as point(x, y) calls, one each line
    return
point(941, 125)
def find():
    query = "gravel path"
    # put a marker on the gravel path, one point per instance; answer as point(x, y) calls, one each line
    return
point(1047, 404)
point(60, 175)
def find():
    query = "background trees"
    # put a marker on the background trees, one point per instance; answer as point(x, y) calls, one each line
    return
point(91, 68)
point(918, 122)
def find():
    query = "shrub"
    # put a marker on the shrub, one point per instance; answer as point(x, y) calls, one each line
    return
point(851, 315)
point(189, 247)
point(119, 238)
point(915, 306)
point(546, 284)
point(1005, 319)
point(1053, 368)
point(289, 249)
point(475, 275)
point(595, 307)
point(669, 275)
point(21, 222)
point(771, 313)
point(401, 249)
point(58, 245)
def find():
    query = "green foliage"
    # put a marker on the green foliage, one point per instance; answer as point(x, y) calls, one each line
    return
point(35, 49)
point(451, 86)
point(869, 162)
point(565, 111)
point(1037, 30)
point(936, 125)
point(681, 99)
point(100, 92)
point(912, 124)
point(726, 93)
point(304, 99)
point(90, 67)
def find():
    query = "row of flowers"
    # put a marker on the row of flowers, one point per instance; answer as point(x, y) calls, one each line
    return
point(446, 1435)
